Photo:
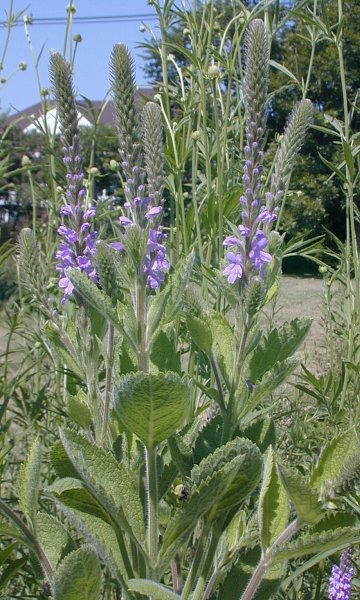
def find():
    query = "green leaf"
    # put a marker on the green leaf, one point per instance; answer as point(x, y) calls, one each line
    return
point(156, 311)
point(29, 482)
point(53, 538)
point(303, 497)
point(95, 297)
point(7, 551)
point(152, 407)
point(221, 481)
point(326, 543)
point(349, 159)
point(78, 411)
point(178, 284)
point(273, 504)
point(223, 344)
point(164, 354)
point(101, 536)
point(110, 483)
point(156, 591)
point(262, 432)
point(11, 570)
point(200, 333)
point(332, 459)
point(280, 344)
point(64, 347)
point(61, 463)
point(264, 388)
point(78, 577)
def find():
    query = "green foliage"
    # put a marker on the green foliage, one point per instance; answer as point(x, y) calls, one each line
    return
point(29, 482)
point(152, 406)
point(78, 577)
point(53, 538)
point(304, 498)
point(145, 587)
point(110, 482)
point(332, 460)
point(273, 504)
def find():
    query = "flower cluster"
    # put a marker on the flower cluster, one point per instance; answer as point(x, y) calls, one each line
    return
point(248, 244)
point(78, 245)
point(341, 576)
point(143, 203)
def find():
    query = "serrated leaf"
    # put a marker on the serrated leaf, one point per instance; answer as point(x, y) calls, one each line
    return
point(152, 407)
point(302, 496)
point(223, 344)
point(280, 344)
point(156, 591)
point(200, 333)
point(53, 538)
point(78, 411)
point(324, 543)
point(222, 480)
point(262, 432)
point(110, 483)
point(273, 504)
point(178, 283)
point(332, 459)
point(64, 347)
point(29, 482)
point(101, 536)
point(61, 463)
point(73, 493)
point(156, 311)
point(164, 354)
point(94, 296)
point(78, 577)
point(266, 386)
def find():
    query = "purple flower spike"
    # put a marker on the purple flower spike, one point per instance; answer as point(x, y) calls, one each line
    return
point(234, 270)
point(341, 577)
point(245, 231)
point(231, 240)
point(125, 221)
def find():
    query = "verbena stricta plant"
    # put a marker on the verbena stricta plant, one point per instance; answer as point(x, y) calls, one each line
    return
point(168, 480)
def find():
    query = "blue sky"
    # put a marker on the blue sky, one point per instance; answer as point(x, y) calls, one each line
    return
point(91, 74)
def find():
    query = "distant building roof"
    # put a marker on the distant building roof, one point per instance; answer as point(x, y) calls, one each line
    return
point(32, 118)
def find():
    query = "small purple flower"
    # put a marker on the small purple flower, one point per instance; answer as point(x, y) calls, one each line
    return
point(69, 234)
point(153, 212)
point(341, 577)
point(257, 255)
point(125, 221)
point(265, 216)
point(231, 240)
point(245, 231)
point(234, 270)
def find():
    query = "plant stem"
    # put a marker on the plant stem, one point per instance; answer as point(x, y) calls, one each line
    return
point(152, 506)
point(260, 570)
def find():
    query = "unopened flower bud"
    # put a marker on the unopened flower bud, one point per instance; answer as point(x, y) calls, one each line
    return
point(77, 38)
point(214, 71)
point(27, 19)
point(71, 8)
point(22, 66)
point(93, 171)
point(196, 135)
point(113, 164)
point(25, 161)
point(323, 269)
point(142, 28)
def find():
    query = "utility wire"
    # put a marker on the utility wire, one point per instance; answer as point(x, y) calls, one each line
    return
point(86, 20)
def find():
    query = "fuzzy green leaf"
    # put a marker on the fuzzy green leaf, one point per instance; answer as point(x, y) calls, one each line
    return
point(78, 411)
point(265, 387)
point(303, 497)
point(145, 587)
point(64, 347)
point(280, 344)
point(326, 543)
point(178, 284)
point(273, 504)
point(164, 354)
point(200, 333)
point(332, 459)
point(53, 538)
point(29, 482)
point(101, 536)
point(78, 577)
point(95, 297)
point(152, 407)
point(156, 311)
point(223, 343)
point(221, 481)
point(109, 482)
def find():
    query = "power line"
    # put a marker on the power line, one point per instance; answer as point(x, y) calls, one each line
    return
point(87, 20)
